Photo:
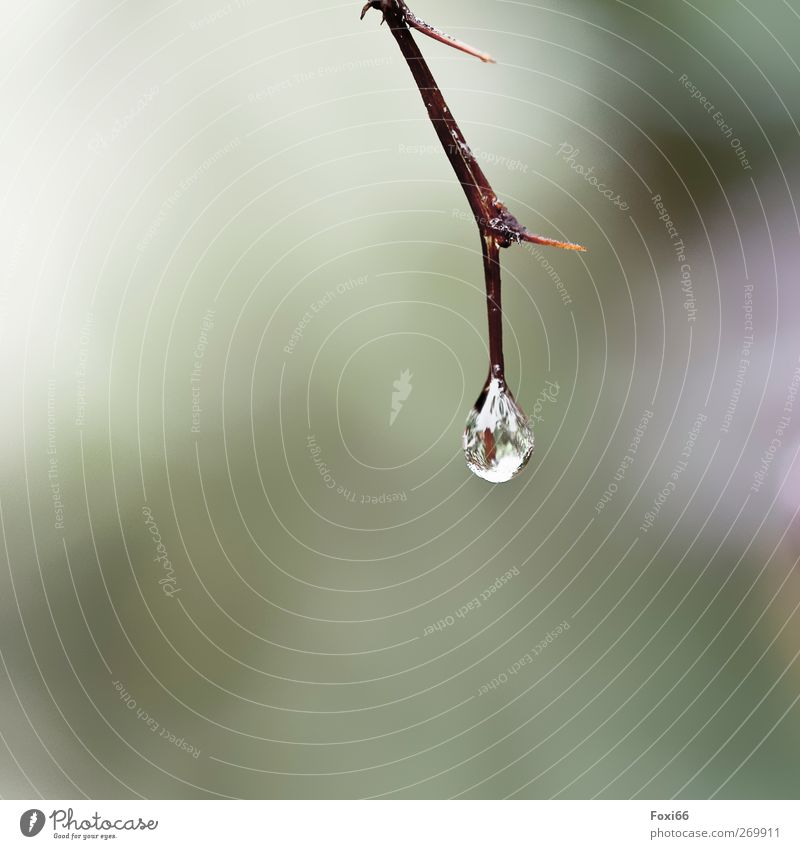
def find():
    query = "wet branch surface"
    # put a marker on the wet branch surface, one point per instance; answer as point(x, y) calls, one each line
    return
point(497, 226)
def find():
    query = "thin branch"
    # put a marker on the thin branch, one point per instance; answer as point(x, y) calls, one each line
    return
point(491, 215)
point(491, 273)
point(498, 228)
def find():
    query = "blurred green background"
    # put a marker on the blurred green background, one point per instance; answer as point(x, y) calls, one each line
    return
point(228, 230)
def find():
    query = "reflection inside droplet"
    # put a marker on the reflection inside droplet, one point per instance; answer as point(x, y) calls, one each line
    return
point(498, 441)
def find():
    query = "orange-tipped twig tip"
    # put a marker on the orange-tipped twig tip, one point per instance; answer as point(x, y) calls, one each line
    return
point(418, 24)
point(553, 243)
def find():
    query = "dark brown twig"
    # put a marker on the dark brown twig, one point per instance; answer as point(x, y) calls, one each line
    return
point(497, 226)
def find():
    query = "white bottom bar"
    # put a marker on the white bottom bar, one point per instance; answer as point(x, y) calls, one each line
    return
point(402, 824)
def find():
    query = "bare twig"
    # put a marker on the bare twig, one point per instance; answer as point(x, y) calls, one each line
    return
point(497, 226)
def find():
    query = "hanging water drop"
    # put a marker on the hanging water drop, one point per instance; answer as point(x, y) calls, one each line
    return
point(498, 440)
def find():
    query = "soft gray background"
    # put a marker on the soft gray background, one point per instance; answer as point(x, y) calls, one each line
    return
point(163, 160)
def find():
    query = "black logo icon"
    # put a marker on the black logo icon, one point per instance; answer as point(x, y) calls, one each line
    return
point(31, 822)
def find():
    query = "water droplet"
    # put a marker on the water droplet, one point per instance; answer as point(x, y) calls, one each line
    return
point(498, 440)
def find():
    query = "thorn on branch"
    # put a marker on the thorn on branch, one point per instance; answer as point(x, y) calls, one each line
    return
point(492, 216)
point(411, 20)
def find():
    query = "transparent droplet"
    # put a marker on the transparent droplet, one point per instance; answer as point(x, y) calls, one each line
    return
point(498, 440)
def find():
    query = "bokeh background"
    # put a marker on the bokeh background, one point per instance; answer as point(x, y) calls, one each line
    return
point(227, 232)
